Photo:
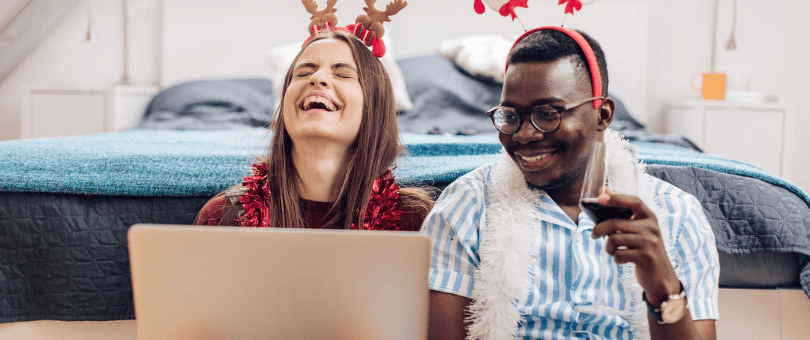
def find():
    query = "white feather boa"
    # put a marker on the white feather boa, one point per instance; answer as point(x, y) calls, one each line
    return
point(502, 281)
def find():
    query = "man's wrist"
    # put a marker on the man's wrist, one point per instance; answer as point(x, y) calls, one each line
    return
point(656, 296)
point(672, 309)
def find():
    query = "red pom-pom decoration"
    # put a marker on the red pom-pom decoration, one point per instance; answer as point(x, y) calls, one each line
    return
point(479, 7)
point(378, 48)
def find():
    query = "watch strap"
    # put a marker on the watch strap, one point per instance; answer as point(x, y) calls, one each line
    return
point(656, 312)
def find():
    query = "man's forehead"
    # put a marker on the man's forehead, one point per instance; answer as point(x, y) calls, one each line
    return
point(572, 65)
point(553, 79)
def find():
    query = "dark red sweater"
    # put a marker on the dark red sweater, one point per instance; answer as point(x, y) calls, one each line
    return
point(314, 213)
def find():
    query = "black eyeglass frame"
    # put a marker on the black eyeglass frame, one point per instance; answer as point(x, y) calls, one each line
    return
point(560, 109)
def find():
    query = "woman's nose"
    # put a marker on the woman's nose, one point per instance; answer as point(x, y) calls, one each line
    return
point(318, 78)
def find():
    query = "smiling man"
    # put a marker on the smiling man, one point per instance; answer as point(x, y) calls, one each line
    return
point(514, 255)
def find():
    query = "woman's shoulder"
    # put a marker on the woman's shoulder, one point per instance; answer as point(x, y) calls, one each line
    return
point(211, 213)
point(415, 203)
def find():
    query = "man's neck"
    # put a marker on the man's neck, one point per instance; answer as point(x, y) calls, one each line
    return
point(567, 198)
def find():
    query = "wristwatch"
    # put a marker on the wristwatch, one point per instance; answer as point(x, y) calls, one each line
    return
point(672, 310)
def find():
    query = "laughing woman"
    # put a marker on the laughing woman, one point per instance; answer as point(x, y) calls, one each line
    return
point(334, 144)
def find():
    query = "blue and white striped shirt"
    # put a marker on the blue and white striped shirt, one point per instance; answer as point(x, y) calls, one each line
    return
point(566, 270)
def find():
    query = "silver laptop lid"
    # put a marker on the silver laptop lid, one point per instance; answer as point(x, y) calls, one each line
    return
point(248, 283)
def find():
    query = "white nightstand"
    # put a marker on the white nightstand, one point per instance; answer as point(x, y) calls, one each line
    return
point(760, 134)
point(51, 110)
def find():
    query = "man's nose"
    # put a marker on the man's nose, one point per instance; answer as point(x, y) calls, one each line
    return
point(527, 133)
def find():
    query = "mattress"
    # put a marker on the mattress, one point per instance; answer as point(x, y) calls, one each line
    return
point(68, 202)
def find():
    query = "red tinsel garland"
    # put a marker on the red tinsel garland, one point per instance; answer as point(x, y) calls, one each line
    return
point(382, 212)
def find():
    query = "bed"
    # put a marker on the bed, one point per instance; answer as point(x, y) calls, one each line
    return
point(67, 202)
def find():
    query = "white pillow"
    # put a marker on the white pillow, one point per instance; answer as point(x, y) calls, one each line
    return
point(483, 56)
point(281, 57)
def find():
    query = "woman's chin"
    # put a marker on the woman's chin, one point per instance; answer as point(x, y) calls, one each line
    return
point(322, 135)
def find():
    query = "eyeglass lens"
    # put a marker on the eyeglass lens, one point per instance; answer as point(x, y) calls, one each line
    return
point(544, 117)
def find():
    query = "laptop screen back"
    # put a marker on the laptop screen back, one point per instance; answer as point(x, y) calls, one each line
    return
point(248, 283)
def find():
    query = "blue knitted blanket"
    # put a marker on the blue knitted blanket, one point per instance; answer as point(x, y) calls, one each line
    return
point(200, 163)
point(194, 163)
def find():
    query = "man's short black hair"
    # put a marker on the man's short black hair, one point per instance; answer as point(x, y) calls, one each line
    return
point(550, 45)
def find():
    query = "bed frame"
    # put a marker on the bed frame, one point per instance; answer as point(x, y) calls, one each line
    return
point(774, 314)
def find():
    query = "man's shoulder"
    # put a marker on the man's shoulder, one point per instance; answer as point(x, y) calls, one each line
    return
point(479, 177)
point(663, 188)
point(678, 204)
point(470, 188)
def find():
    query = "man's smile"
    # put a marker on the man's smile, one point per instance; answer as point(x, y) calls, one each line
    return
point(530, 159)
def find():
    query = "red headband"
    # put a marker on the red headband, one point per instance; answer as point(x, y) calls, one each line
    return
point(596, 76)
point(367, 36)
point(367, 27)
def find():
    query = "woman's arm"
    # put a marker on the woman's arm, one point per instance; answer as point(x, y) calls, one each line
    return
point(211, 212)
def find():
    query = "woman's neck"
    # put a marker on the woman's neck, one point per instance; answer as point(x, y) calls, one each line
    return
point(318, 165)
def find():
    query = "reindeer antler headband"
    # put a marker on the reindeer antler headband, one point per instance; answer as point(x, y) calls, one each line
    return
point(367, 27)
point(507, 8)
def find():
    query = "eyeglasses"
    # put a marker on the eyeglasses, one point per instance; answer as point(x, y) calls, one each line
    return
point(545, 118)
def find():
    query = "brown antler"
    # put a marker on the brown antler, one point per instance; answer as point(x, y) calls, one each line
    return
point(374, 18)
point(321, 17)
point(330, 6)
point(393, 8)
point(311, 6)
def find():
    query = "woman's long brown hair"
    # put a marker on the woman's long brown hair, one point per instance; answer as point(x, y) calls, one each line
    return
point(377, 141)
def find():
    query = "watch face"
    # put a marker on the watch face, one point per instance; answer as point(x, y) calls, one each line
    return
point(673, 310)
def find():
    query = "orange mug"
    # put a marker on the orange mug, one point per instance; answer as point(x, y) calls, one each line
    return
point(714, 85)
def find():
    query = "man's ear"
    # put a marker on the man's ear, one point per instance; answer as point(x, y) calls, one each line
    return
point(606, 113)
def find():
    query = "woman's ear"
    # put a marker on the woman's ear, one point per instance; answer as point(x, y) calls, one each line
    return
point(606, 113)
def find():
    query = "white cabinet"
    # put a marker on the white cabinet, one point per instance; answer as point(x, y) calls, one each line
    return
point(759, 134)
point(70, 110)
point(763, 314)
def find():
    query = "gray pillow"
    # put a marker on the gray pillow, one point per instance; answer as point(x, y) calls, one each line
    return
point(211, 104)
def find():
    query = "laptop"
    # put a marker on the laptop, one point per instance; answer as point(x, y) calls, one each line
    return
point(193, 282)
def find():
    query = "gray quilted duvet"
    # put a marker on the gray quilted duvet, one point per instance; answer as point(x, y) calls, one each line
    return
point(750, 217)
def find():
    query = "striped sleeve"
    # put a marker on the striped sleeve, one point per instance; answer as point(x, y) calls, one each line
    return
point(696, 260)
point(453, 227)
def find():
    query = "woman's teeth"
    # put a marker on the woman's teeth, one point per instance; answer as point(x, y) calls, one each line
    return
point(309, 101)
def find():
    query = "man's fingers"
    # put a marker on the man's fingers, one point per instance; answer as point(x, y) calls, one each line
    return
point(622, 256)
point(613, 226)
point(640, 210)
point(620, 241)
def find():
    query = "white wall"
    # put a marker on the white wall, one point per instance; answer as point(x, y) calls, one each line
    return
point(772, 50)
point(65, 56)
point(679, 46)
point(620, 26)
point(203, 40)
point(9, 8)
point(217, 38)
point(653, 47)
